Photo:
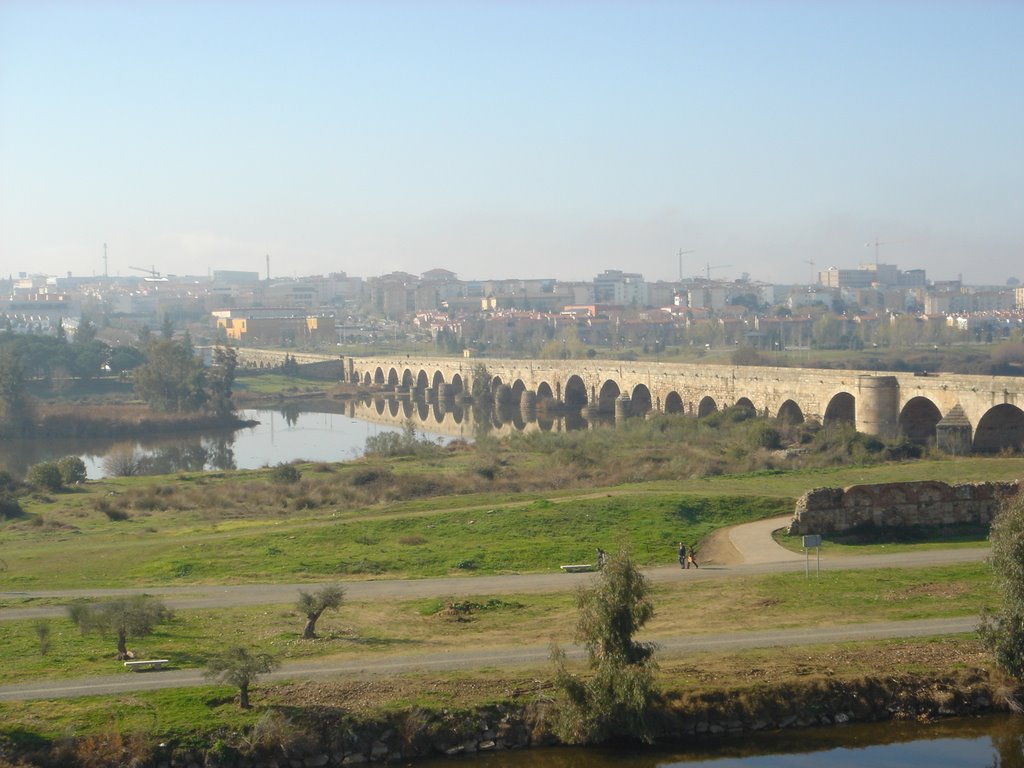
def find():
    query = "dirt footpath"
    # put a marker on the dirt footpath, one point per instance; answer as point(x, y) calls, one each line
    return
point(746, 544)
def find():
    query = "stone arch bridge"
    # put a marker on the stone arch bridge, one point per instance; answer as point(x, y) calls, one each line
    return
point(981, 413)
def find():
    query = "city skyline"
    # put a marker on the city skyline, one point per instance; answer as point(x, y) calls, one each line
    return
point(504, 140)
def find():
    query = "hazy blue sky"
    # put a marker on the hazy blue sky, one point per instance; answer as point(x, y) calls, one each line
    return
point(512, 139)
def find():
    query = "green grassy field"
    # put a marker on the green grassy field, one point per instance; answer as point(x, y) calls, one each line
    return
point(435, 515)
point(236, 527)
point(363, 629)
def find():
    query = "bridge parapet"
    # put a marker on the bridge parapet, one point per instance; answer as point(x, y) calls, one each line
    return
point(884, 405)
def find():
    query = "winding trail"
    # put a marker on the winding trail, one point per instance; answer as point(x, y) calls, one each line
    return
point(738, 551)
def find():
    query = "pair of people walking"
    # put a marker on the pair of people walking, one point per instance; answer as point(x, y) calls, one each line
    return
point(686, 556)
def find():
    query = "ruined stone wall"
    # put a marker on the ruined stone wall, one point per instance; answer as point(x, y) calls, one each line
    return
point(831, 510)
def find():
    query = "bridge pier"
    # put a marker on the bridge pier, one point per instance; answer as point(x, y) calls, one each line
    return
point(878, 406)
point(623, 407)
point(502, 396)
point(528, 405)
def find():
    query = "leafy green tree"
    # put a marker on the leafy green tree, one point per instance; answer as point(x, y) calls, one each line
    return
point(127, 617)
point(1003, 631)
point(313, 604)
point(172, 379)
point(10, 507)
point(72, 470)
point(613, 699)
point(125, 359)
point(87, 360)
point(15, 410)
point(240, 667)
point(86, 331)
point(167, 328)
point(221, 379)
point(45, 475)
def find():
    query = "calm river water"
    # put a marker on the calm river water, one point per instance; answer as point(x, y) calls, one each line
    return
point(991, 742)
point(281, 436)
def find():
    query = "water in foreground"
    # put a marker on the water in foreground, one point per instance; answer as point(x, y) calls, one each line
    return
point(989, 742)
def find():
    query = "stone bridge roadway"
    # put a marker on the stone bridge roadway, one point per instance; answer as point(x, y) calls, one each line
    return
point(986, 409)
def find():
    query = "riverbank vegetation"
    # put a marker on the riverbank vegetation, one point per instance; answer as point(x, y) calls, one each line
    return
point(527, 503)
point(167, 376)
point(695, 698)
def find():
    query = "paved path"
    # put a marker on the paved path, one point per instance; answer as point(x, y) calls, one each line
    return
point(754, 543)
point(751, 543)
point(519, 656)
point(206, 596)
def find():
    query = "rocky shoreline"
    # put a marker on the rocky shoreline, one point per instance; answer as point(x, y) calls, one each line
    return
point(329, 737)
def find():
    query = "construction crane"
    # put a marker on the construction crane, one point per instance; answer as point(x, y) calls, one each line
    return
point(151, 271)
point(876, 243)
point(708, 268)
point(681, 254)
point(814, 275)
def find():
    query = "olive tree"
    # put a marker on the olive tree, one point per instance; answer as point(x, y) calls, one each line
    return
point(127, 617)
point(313, 604)
point(1003, 631)
point(613, 698)
point(238, 666)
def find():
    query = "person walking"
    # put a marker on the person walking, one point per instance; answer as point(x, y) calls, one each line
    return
point(691, 558)
point(682, 556)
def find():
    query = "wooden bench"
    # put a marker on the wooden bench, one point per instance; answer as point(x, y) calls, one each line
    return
point(146, 664)
point(581, 568)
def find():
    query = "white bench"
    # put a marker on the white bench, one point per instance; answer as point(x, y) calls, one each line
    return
point(146, 664)
point(581, 568)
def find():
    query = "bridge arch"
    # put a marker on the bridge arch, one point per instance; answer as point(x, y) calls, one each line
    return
point(393, 377)
point(378, 376)
point(457, 384)
point(706, 406)
point(842, 409)
point(544, 393)
point(367, 378)
point(518, 387)
point(1001, 427)
point(422, 409)
point(422, 380)
point(641, 400)
point(747, 405)
point(917, 420)
point(575, 392)
point(607, 396)
point(408, 380)
point(392, 403)
point(673, 403)
point(437, 381)
point(790, 413)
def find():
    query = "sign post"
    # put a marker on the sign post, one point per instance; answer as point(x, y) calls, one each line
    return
point(809, 542)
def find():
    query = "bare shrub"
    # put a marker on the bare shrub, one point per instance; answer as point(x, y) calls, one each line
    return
point(122, 461)
point(275, 732)
point(112, 749)
point(113, 513)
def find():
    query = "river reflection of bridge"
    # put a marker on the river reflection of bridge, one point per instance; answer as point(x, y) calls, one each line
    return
point(461, 419)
